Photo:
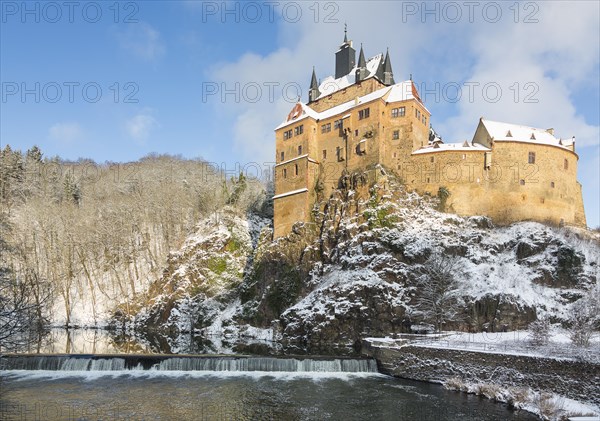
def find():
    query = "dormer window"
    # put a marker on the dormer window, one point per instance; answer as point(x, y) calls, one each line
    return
point(508, 134)
point(532, 136)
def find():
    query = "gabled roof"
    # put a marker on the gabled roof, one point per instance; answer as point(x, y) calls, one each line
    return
point(516, 133)
point(329, 85)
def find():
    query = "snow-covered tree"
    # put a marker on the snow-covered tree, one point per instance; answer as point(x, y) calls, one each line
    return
point(438, 300)
point(539, 332)
point(585, 318)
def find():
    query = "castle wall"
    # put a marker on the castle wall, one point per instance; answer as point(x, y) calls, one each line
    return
point(510, 190)
point(288, 210)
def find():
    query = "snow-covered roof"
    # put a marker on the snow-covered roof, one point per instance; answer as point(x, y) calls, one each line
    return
point(399, 92)
point(516, 133)
point(290, 193)
point(456, 147)
point(330, 85)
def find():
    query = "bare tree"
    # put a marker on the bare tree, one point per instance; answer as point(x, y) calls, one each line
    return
point(438, 299)
point(584, 318)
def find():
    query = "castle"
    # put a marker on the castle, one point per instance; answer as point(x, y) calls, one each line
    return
point(361, 118)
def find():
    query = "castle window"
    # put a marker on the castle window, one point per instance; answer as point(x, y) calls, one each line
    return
point(566, 164)
point(395, 154)
point(337, 124)
point(284, 173)
point(339, 154)
point(532, 157)
point(287, 134)
point(362, 114)
point(296, 166)
point(282, 156)
point(326, 128)
point(299, 130)
point(522, 182)
point(398, 112)
point(396, 134)
point(432, 159)
point(418, 114)
point(552, 184)
point(356, 132)
point(300, 150)
point(542, 200)
point(324, 153)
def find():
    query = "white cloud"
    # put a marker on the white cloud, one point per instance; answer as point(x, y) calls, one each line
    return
point(140, 125)
point(143, 41)
point(66, 132)
point(553, 58)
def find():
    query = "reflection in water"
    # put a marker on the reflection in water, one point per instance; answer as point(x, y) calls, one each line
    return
point(99, 341)
point(267, 396)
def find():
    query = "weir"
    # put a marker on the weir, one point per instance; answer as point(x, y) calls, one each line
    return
point(186, 363)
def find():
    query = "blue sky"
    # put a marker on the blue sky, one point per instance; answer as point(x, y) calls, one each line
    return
point(157, 64)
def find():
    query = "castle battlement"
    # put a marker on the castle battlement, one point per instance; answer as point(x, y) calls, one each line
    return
point(361, 117)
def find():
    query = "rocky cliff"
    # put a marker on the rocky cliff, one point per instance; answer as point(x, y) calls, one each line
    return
point(358, 269)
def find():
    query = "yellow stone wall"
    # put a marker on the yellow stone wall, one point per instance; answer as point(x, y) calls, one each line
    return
point(510, 190)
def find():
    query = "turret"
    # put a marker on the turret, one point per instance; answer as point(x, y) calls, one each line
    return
point(388, 74)
point(361, 70)
point(313, 92)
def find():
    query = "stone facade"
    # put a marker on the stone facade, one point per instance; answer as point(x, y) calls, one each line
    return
point(359, 121)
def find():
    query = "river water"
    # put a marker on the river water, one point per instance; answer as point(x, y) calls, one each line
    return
point(144, 395)
point(172, 388)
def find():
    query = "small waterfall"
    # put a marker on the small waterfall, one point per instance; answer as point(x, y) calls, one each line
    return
point(186, 363)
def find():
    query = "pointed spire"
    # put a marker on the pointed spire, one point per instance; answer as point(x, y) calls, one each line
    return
point(388, 64)
point(361, 57)
point(388, 74)
point(361, 68)
point(345, 33)
point(313, 80)
point(313, 92)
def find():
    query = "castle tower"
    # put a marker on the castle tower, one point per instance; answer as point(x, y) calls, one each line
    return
point(345, 57)
point(361, 70)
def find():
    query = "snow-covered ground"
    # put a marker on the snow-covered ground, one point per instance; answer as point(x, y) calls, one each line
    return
point(514, 343)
